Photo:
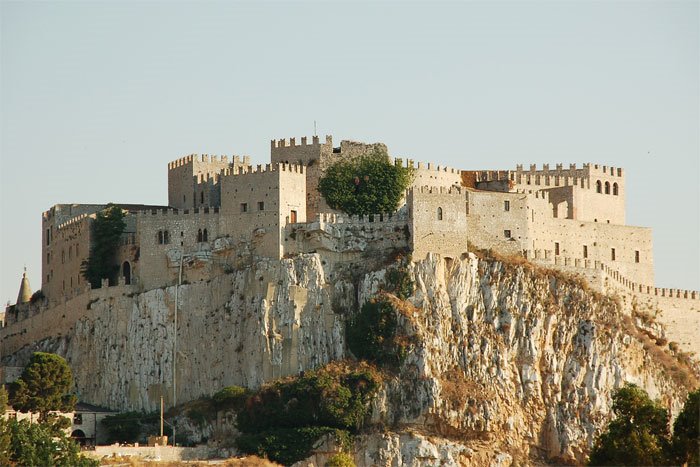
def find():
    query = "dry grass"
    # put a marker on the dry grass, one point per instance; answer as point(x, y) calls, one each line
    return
point(677, 364)
point(249, 461)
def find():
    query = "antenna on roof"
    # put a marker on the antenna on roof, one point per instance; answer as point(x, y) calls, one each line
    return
point(315, 128)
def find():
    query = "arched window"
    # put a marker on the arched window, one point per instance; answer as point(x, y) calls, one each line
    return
point(166, 237)
point(159, 237)
point(126, 272)
point(439, 214)
point(598, 187)
point(199, 236)
point(201, 198)
point(607, 188)
point(615, 189)
point(205, 235)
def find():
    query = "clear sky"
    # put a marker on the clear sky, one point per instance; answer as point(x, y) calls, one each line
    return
point(96, 98)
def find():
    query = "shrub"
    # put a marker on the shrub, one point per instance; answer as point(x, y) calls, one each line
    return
point(372, 334)
point(335, 396)
point(340, 459)
point(285, 445)
point(284, 419)
point(398, 281)
point(126, 427)
point(370, 184)
point(230, 397)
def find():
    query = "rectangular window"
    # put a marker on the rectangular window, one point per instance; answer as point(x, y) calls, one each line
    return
point(48, 257)
point(612, 254)
point(585, 251)
point(556, 248)
point(244, 207)
point(78, 419)
point(506, 233)
point(293, 217)
point(636, 256)
point(506, 205)
point(48, 237)
point(261, 205)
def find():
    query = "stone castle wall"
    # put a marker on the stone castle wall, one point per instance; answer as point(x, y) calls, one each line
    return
point(438, 221)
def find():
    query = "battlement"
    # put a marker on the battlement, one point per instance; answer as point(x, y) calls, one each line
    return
point(490, 175)
point(72, 221)
point(291, 142)
point(606, 170)
point(539, 194)
point(438, 190)
point(437, 168)
point(260, 168)
point(176, 212)
point(338, 218)
point(206, 158)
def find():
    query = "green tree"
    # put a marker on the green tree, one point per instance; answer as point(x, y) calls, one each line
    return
point(42, 444)
point(686, 432)
point(638, 435)
point(370, 184)
point(44, 386)
point(106, 233)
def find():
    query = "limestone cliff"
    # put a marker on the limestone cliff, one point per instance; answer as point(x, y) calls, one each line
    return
point(515, 362)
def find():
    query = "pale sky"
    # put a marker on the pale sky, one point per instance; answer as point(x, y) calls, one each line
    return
point(97, 97)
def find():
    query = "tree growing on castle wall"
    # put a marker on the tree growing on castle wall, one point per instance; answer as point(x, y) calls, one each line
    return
point(106, 232)
point(44, 386)
point(367, 185)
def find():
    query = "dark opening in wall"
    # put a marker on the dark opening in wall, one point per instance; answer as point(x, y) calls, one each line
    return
point(244, 207)
point(439, 214)
point(636, 256)
point(261, 205)
point(556, 248)
point(585, 251)
point(612, 254)
point(506, 205)
point(506, 233)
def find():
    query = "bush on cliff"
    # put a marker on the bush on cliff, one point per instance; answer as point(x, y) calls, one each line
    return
point(365, 185)
point(372, 334)
point(686, 432)
point(284, 419)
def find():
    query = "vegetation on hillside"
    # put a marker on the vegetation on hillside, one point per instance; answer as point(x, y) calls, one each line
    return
point(106, 233)
point(373, 334)
point(639, 433)
point(44, 386)
point(284, 419)
point(369, 184)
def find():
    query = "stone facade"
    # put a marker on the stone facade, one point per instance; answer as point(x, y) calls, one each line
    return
point(224, 213)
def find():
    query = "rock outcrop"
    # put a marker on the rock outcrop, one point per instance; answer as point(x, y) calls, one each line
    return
point(510, 360)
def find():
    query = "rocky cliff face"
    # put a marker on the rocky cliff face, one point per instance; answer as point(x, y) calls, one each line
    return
point(509, 360)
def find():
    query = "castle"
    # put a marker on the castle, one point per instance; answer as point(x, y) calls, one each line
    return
point(222, 211)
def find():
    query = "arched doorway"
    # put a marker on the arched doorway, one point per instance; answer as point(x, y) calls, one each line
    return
point(79, 436)
point(126, 272)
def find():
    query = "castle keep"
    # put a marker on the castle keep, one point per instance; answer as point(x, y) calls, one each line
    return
point(222, 211)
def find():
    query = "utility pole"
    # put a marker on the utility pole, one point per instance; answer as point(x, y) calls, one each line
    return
point(161, 417)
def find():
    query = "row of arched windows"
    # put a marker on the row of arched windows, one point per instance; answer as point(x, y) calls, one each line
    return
point(599, 188)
